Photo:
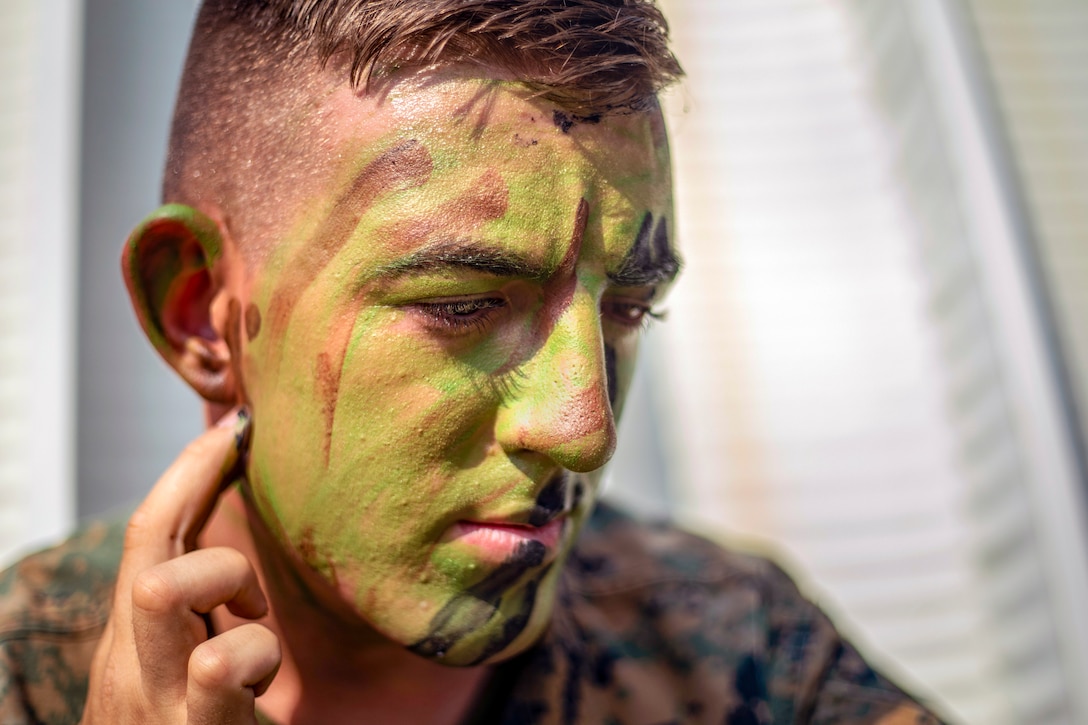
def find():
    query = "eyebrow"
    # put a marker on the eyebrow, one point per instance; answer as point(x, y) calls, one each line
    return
point(651, 260)
point(642, 272)
point(463, 256)
point(642, 267)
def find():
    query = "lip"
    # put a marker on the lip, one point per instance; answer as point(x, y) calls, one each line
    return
point(498, 541)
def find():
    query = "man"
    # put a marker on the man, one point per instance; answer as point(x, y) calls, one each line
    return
point(406, 255)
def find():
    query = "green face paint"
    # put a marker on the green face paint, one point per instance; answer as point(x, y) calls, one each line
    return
point(428, 352)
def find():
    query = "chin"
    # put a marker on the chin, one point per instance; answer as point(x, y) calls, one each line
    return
point(475, 630)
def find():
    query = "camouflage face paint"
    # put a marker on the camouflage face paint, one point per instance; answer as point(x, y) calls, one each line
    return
point(447, 335)
point(253, 322)
point(233, 336)
point(613, 375)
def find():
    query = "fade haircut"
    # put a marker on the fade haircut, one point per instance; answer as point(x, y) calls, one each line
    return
point(255, 69)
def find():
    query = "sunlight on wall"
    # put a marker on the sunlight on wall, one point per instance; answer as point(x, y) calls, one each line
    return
point(846, 356)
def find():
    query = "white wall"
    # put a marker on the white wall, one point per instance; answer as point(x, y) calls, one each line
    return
point(134, 414)
point(39, 115)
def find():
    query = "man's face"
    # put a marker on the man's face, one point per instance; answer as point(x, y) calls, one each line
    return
point(437, 350)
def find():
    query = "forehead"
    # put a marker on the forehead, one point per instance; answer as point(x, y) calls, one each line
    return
point(446, 153)
point(464, 114)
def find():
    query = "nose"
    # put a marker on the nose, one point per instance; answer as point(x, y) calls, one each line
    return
point(558, 404)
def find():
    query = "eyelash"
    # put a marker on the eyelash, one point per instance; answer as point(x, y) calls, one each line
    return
point(645, 314)
point(476, 314)
point(461, 315)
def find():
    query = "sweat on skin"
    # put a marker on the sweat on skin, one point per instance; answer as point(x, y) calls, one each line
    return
point(442, 336)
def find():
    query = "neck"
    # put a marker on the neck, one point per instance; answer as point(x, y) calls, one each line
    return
point(335, 667)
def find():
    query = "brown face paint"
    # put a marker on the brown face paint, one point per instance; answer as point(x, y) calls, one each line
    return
point(561, 288)
point(328, 386)
point(253, 321)
point(310, 554)
point(233, 337)
point(484, 202)
point(382, 430)
point(574, 248)
point(404, 166)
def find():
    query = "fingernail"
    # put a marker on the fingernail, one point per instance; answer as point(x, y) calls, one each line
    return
point(239, 419)
point(242, 428)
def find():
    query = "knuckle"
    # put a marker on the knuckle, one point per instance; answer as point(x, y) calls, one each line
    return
point(235, 565)
point(153, 591)
point(210, 666)
point(264, 638)
point(232, 558)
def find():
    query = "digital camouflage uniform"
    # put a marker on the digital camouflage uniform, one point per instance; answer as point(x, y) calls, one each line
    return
point(652, 626)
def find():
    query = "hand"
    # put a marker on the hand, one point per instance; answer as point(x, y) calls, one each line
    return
point(156, 662)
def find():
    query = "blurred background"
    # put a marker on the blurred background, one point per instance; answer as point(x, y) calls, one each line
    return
point(875, 367)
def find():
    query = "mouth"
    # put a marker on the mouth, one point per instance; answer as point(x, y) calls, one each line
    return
point(498, 542)
point(529, 537)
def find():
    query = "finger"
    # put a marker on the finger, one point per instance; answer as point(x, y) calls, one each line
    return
point(167, 522)
point(228, 672)
point(167, 603)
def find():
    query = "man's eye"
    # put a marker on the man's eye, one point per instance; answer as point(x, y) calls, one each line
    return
point(629, 313)
point(461, 315)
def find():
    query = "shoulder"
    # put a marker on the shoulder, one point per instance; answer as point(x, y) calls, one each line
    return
point(53, 607)
point(680, 587)
point(616, 553)
point(66, 588)
point(668, 574)
point(656, 621)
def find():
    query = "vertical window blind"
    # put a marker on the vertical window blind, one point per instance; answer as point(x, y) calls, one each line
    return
point(848, 347)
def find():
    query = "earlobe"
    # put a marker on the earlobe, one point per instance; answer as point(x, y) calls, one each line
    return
point(170, 266)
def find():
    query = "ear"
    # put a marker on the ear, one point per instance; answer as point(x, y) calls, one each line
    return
point(169, 265)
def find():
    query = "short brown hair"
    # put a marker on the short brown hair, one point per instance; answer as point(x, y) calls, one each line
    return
point(590, 57)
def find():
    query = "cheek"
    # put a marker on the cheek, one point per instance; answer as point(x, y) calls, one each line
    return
point(363, 433)
point(369, 469)
point(409, 402)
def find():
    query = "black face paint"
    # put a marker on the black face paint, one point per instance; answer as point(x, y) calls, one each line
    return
point(550, 502)
point(475, 607)
point(579, 494)
point(513, 626)
point(651, 259)
point(562, 120)
point(662, 251)
point(610, 373)
point(641, 254)
point(565, 121)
